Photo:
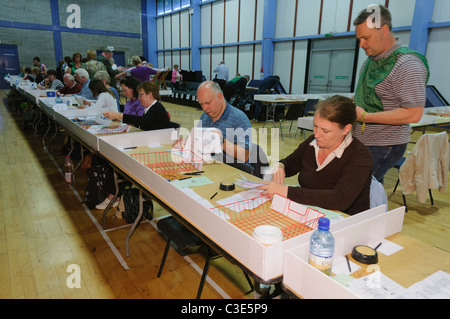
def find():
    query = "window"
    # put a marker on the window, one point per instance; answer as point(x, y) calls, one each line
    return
point(168, 6)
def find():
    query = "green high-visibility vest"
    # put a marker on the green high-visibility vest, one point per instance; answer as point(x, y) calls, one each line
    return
point(375, 72)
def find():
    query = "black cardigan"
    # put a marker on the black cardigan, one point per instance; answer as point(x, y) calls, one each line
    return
point(344, 184)
point(155, 118)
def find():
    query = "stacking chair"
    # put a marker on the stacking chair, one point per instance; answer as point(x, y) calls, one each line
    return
point(293, 113)
point(188, 243)
point(258, 160)
point(310, 108)
point(426, 168)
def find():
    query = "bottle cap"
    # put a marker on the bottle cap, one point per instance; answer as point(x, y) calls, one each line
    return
point(324, 223)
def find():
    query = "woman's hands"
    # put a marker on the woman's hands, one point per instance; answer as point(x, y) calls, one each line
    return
point(113, 115)
point(277, 184)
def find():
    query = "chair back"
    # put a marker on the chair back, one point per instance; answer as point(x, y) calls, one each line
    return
point(427, 166)
point(242, 166)
point(294, 112)
point(258, 159)
point(378, 194)
point(310, 107)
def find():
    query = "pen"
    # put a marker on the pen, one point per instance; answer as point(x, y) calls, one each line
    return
point(194, 173)
point(213, 195)
point(184, 178)
point(377, 246)
point(348, 264)
point(130, 148)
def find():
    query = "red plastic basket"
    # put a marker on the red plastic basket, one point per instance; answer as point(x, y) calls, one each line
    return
point(248, 214)
point(170, 161)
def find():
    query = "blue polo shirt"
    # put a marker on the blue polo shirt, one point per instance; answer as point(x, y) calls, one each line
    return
point(86, 91)
point(234, 125)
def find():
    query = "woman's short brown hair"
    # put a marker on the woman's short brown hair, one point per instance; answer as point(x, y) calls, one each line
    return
point(337, 109)
point(150, 87)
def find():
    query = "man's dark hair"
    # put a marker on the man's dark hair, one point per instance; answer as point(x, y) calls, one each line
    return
point(385, 17)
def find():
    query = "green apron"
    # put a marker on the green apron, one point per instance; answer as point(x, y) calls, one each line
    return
point(375, 72)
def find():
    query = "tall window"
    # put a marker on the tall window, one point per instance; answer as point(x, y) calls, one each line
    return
point(168, 6)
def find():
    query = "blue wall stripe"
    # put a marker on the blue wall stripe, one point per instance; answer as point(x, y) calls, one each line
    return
point(195, 35)
point(56, 34)
point(423, 13)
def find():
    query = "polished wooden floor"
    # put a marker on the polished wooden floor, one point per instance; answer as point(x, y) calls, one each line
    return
point(44, 228)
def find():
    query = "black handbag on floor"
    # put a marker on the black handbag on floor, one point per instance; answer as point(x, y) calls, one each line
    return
point(131, 203)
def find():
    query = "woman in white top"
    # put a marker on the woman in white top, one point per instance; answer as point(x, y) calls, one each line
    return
point(105, 97)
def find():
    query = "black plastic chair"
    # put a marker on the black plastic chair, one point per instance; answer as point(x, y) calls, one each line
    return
point(258, 160)
point(293, 113)
point(310, 108)
point(243, 167)
point(188, 243)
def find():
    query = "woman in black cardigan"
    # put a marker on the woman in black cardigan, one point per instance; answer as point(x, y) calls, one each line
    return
point(155, 116)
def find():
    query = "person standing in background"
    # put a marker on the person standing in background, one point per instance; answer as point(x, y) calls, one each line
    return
point(391, 91)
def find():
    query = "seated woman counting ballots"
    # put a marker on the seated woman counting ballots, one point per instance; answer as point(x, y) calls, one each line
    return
point(105, 97)
point(334, 168)
point(129, 88)
point(155, 115)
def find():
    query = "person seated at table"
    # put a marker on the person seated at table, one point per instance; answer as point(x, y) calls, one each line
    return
point(104, 76)
point(76, 63)
point(27, 74)
point(139, 71)
point(334, 168)
point(36, 76)
point(129, 88)
point(232, 124)
point(51, 82)
point(155, 115)
point(70, 85)
point(82, 77)
point(105, 97)
point(155, 118)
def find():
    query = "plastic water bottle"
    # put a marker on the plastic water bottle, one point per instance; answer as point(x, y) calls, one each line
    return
point(68, 170)
point(321, 247)
point(58, 99)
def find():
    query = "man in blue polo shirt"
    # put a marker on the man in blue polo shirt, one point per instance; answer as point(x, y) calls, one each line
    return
point(82, 77)
point(232, 123)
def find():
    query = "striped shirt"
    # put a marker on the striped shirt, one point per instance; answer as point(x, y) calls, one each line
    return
point(405, 87)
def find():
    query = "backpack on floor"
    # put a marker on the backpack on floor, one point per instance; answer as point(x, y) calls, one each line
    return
point(98, 176)
point(130, 200)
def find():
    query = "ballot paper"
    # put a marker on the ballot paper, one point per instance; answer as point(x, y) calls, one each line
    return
point(204, 142)
point(246, 183)
point(436, 286)
point(376, 286)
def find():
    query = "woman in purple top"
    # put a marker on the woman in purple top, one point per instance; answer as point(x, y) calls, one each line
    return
point(139, 71)
point(133, 105)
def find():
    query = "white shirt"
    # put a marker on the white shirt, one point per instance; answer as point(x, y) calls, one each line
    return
point(107, 101)
point(336, 153)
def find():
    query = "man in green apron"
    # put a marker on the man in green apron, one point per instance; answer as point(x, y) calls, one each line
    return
point(391, 91)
